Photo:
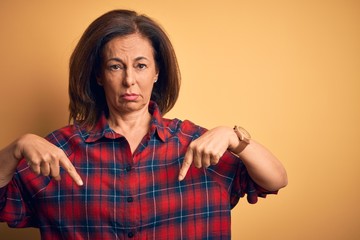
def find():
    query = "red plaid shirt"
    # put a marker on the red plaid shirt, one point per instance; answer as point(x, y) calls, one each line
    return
point(129, 195)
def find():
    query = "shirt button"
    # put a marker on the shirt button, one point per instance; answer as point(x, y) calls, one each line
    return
point(130, 199)
point(130, 234)
point(128, 168)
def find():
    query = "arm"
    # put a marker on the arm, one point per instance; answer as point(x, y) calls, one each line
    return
point(8, 163)
point(263, 167)
point(42, 157)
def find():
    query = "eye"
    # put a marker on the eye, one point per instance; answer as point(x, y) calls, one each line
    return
point(141, 66)
point(115, 67)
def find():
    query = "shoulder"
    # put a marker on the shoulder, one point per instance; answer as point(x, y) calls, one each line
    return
point(183, 128)
point(66, 137)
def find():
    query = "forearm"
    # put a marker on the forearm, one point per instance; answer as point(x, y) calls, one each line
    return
point(9, 159)
point(263, 167)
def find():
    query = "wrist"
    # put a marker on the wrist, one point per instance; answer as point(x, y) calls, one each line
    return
point(19, 145)
point(243, 139)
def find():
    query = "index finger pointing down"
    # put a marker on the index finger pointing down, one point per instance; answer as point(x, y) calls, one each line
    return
point(186, 164)
point(69, 167)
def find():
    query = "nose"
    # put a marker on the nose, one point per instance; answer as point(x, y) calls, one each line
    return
point(129, 78)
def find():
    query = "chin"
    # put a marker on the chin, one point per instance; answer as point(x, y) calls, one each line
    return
point(130, 107)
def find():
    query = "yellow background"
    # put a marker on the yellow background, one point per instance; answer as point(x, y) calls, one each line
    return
point(288, 71)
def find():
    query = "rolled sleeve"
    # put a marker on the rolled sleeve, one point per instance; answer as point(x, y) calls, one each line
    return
point(244, 184)
point(13, 208)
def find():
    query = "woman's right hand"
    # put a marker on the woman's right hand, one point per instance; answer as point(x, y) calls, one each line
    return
point(42, 157)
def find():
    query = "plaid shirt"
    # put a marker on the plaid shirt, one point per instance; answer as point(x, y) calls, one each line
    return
point(129, 195)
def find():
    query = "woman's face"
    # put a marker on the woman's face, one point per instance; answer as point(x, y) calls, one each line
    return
point(128, 73)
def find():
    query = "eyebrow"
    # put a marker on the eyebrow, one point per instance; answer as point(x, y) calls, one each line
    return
point(120, 60)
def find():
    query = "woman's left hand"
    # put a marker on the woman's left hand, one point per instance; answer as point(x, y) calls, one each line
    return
point(208, 149)
point(263, 167)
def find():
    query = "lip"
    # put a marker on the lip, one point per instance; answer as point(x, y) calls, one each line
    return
point(130, 96)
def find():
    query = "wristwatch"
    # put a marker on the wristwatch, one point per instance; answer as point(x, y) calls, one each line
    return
point(244, 138)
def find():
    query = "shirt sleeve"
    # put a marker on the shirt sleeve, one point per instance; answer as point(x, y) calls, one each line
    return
point(13, 206)
point(243, 184)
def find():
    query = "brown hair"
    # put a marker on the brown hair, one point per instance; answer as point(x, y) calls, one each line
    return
point(87, 98)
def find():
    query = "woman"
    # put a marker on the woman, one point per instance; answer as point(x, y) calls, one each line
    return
point(125, 170)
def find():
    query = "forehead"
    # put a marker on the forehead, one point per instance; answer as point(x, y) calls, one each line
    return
point(133, 45)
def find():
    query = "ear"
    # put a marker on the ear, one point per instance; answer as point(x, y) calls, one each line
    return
point(156, 77)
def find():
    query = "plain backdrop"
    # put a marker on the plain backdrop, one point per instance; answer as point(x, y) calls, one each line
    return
point(288, 71)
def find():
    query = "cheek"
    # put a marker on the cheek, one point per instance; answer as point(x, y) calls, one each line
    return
point(110, 89)
point(148, 88)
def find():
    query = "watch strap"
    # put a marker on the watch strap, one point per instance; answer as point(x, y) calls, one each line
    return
point(244, 138)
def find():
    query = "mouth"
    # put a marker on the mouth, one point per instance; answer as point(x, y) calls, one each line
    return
point(130, 96)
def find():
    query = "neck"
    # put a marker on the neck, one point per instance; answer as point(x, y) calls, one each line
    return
point(130, 123)
point(133, 126)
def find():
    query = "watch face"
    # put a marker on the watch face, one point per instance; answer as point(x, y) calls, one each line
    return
point(242, 134)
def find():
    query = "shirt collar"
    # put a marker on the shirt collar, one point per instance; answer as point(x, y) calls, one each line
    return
point(102, 128)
